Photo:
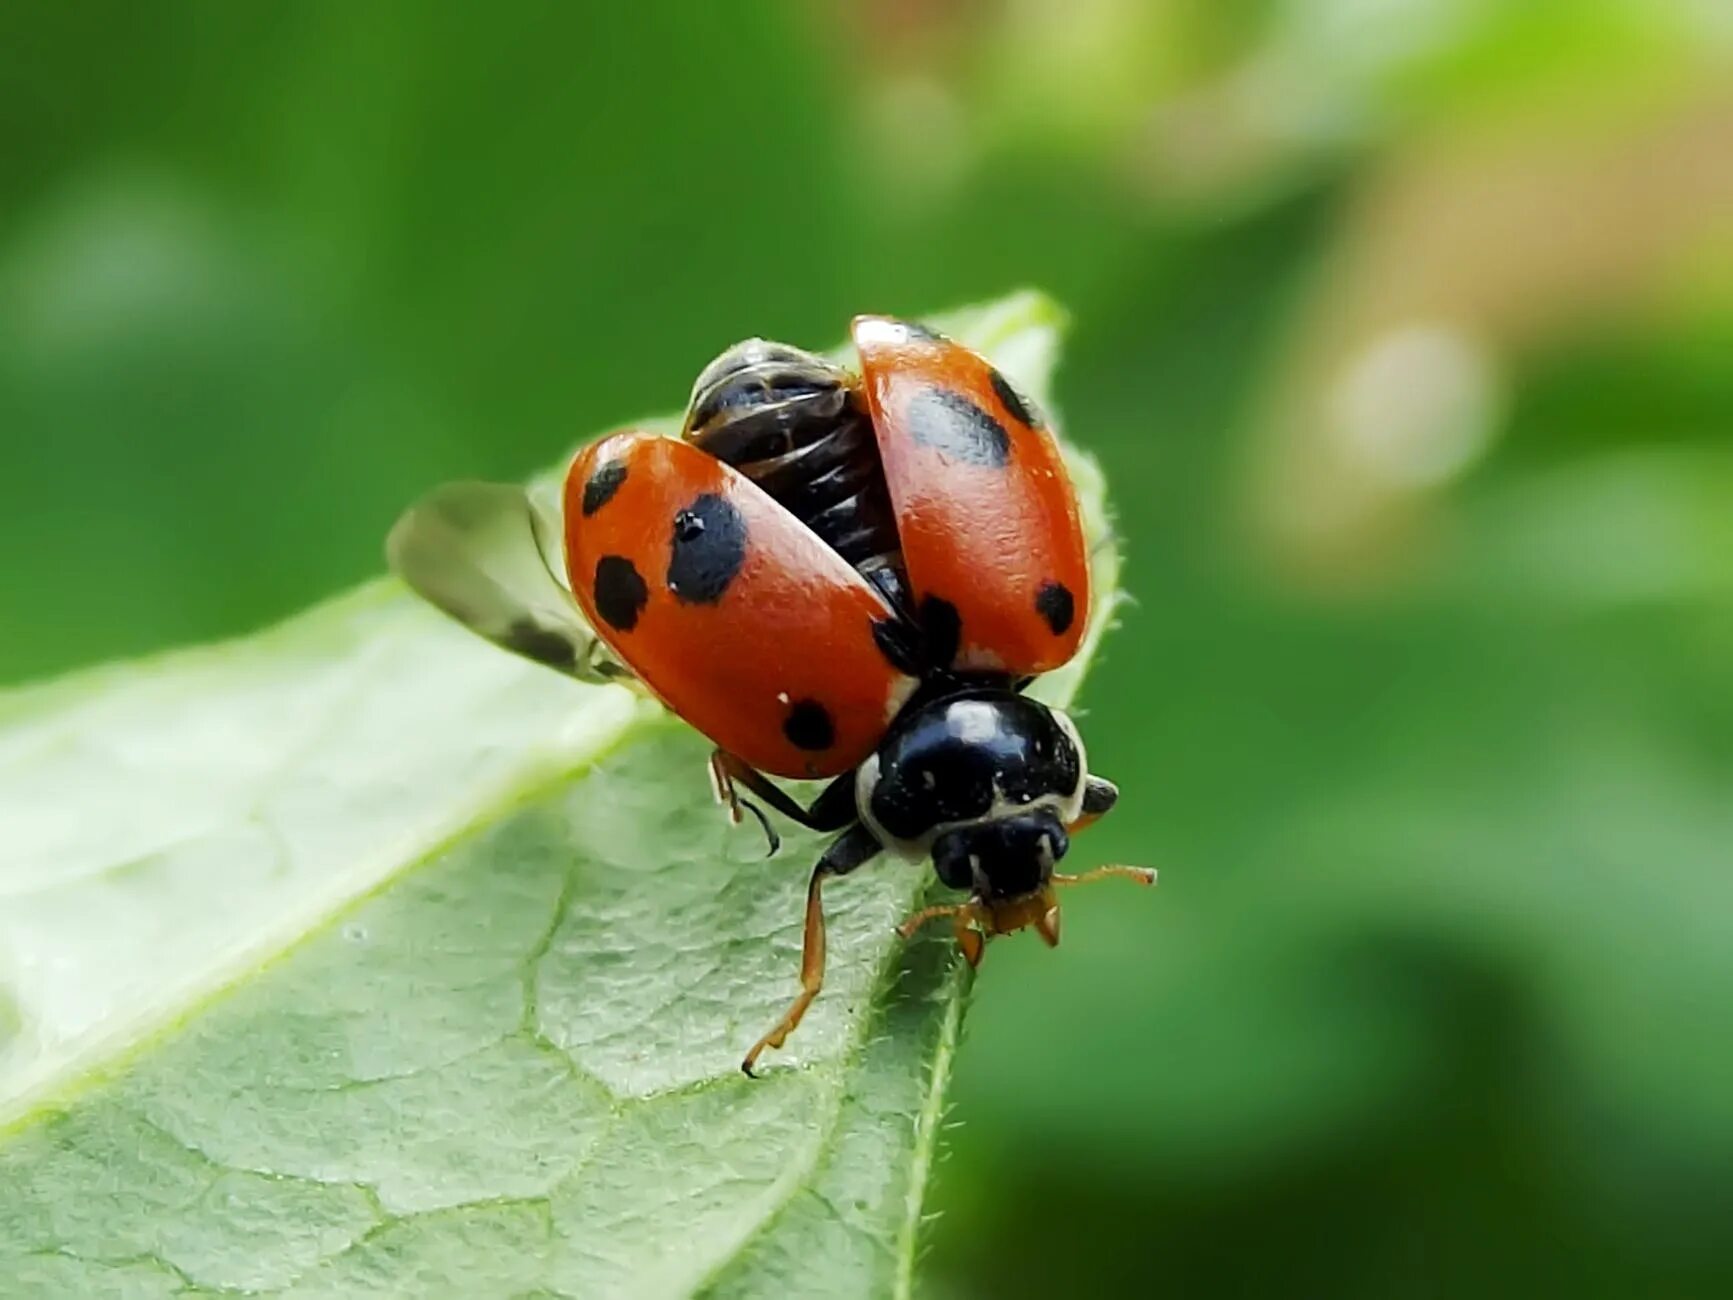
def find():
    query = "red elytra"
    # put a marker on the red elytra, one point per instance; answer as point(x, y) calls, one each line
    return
point(728, 608)
point(985, 510)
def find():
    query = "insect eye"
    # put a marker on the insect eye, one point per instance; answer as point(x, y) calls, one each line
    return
point(953, 862)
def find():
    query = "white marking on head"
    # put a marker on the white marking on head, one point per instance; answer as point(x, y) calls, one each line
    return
point(1072, 806)
point(866, 779)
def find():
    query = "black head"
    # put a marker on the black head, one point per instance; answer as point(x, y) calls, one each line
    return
point(996, 860)
point(986, 781)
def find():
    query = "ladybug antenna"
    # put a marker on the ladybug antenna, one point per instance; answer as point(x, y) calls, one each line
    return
point(1142, 875)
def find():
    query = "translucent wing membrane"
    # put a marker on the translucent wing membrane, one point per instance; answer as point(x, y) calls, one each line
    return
point(546, 523)
point(479, 552)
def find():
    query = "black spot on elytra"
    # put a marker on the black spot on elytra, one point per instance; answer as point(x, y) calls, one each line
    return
point(955, 427)
point(942, 628)
point(620, 592)
point(1055, 603)
point(534, 641)
point(808, 726)
point(706, 550)
point(602, 485)
point(925, 333)
point(1013, 401)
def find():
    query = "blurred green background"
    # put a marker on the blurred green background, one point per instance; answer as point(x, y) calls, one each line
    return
point(1405, 333)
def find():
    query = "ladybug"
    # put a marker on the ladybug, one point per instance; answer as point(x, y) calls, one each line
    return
point(832, 575)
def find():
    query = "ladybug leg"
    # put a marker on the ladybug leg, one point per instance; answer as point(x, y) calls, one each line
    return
point(831, 811)
point(966, 920)
point(1099, 796)
point(843, 856)
point(725, 769)
point(722, 786)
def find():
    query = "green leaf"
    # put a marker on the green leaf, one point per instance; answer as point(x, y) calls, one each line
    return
point(357, 957)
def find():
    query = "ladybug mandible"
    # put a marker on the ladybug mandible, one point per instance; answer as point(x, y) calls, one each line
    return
point(829, 575)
